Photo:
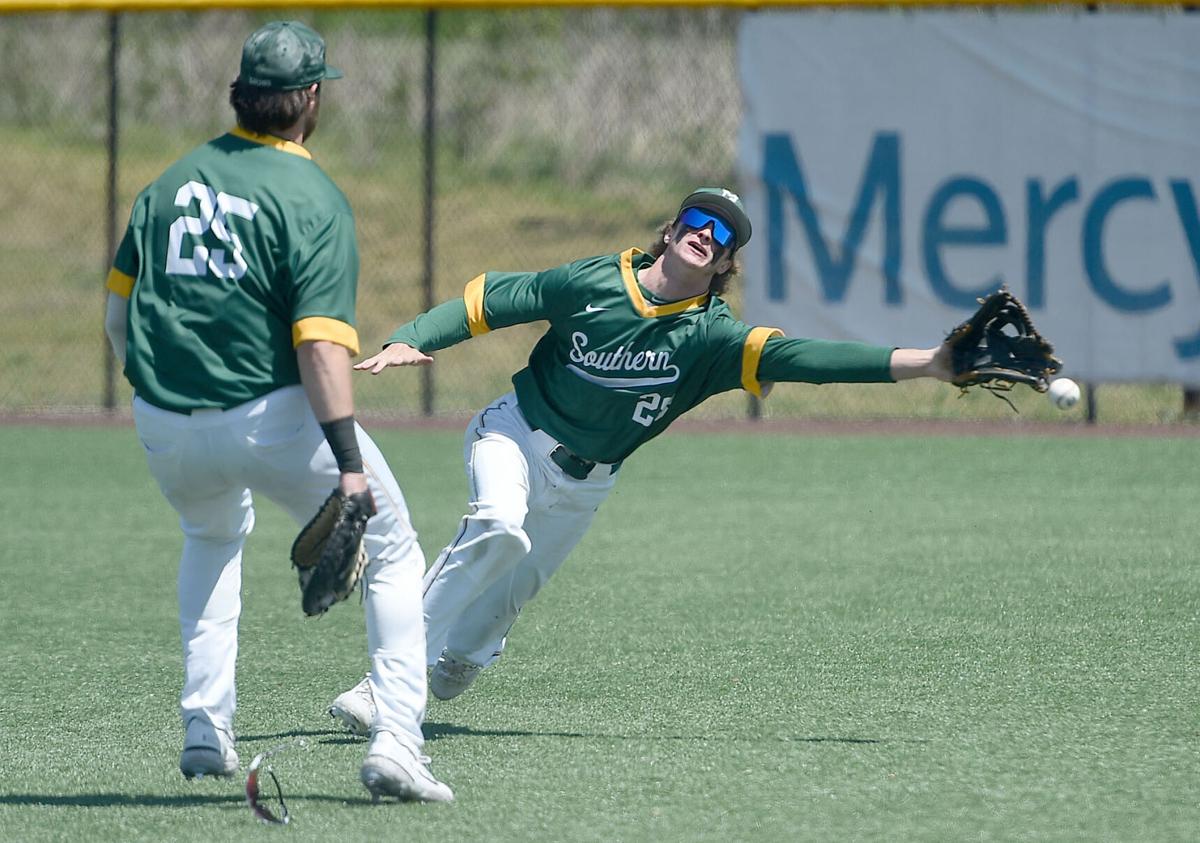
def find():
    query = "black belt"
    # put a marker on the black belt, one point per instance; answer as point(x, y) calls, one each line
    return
point(186, 411)
point(577, 467)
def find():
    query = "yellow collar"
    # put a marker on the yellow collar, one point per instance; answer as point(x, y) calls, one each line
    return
point(272, 141)
point(645, 308)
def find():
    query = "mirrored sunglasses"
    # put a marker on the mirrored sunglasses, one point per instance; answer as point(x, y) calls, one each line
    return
point(722, 232)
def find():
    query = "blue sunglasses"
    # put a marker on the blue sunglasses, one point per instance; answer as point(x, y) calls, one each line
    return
point(722, 232)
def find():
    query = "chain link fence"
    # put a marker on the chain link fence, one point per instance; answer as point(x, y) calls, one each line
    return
point(558, 133)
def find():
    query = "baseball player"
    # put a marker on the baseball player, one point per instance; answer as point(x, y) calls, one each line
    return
point(635, 340)
point(231, 306)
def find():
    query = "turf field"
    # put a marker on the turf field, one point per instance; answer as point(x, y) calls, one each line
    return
point(762, 638)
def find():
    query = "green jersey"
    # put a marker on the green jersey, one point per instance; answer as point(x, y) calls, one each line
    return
point(617, 367)
point(239, 252)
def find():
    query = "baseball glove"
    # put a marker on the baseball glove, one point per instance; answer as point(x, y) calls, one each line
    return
point(329, 553)
point(998, 347)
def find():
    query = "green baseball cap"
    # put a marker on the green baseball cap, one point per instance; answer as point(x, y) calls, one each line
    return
point(723, 202)
point(285, 55)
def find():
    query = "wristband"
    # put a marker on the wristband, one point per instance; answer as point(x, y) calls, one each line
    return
point(342, 440)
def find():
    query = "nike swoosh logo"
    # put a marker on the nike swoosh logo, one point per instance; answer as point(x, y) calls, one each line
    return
point(591, 308)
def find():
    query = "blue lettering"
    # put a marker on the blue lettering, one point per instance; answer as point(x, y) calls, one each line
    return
point(1185, 201)
point(835, 259)
point(937, 234)
point(1188, 348)
point(1040, 210)
point(782, 174)
point(1098, 275)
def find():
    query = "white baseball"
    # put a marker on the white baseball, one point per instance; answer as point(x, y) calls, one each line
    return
point(1064, 393)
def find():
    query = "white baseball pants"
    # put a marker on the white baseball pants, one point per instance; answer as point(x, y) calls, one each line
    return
point(207, 464)
point(523, 518)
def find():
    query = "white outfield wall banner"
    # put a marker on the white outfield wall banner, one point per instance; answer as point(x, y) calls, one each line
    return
point(898, 166)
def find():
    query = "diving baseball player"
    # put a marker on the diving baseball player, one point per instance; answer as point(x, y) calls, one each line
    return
point(635, 340)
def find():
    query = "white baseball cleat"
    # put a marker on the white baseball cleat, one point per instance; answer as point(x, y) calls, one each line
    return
point(355, 709)
point(207, 751)
point(451, 676)
point(395, 768)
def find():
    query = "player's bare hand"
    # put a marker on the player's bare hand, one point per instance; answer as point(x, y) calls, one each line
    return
point(396, 354)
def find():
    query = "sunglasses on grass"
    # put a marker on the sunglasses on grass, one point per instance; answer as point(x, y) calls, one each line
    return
point(267, 804)
point(722, 232)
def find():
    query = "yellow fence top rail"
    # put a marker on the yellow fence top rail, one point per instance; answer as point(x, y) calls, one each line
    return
point(13, 6)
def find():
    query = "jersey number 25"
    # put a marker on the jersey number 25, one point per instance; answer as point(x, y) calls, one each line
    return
point(650, 407)
point(215, 209)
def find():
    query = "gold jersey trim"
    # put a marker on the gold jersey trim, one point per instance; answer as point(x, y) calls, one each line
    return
point(119, 283)
point(272, 141)
point(314, 328)
point(643, 307)
point(473, 298)
point(751, 354)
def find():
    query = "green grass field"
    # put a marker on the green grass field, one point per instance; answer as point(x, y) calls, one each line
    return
point(762, 638)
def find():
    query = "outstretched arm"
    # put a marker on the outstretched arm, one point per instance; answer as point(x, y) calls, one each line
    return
point(396, 354)
point(909, 363)
point(513, 298)
point(440, 327)
point(828, 361)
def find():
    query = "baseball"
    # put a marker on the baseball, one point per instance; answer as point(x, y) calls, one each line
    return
point(1064, 393)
